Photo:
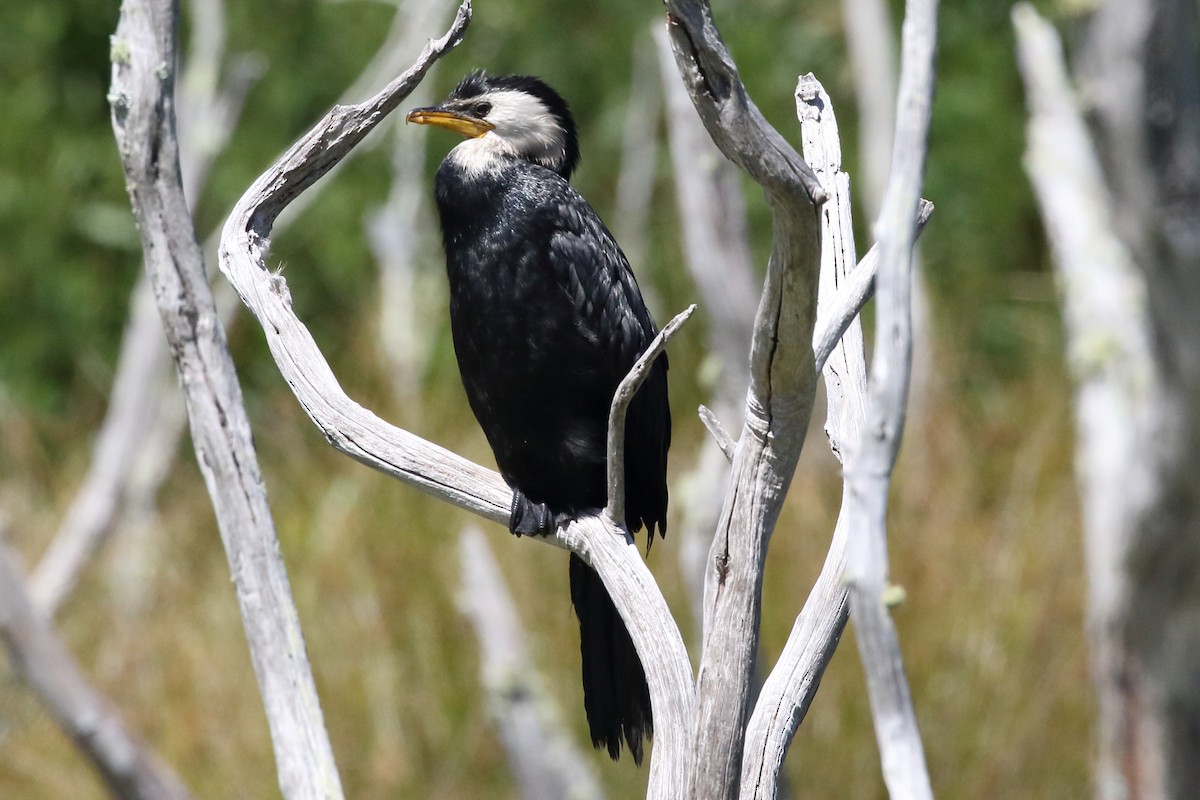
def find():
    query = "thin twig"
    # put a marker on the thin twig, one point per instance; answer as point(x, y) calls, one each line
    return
point(713, 423)
point(626, 389)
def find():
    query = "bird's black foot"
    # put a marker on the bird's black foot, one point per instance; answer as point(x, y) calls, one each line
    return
point(528, 518)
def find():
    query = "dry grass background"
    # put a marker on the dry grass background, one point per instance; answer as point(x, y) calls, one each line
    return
point(985, 539)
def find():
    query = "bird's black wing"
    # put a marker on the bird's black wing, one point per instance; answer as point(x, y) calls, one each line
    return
point(610, 312)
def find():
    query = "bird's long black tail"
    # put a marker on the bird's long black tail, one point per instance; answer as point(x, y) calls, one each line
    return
point(615, 695)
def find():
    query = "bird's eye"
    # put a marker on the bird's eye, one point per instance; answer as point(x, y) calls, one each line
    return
point(482, 109)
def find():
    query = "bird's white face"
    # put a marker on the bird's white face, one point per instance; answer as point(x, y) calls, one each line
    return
point(505, 118)
point(499, 125)
point(524, 126)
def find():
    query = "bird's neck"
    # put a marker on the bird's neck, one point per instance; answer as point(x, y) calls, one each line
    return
point(481, 156)
point(491, 154)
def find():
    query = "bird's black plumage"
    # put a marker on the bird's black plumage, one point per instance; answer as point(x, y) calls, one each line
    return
point(547, 319)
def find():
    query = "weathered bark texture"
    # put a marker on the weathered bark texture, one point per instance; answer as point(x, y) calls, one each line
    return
point(1121, 203)
point(779, 402)
point(143, 103)
point(793, 682)
point(716, 250)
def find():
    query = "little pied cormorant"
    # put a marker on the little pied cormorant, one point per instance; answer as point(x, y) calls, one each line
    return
point(547, 319)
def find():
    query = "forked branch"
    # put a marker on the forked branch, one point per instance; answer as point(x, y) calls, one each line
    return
point(362, 435)
point(782, 387)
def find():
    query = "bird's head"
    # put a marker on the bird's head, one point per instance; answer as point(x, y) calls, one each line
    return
point(507, 116)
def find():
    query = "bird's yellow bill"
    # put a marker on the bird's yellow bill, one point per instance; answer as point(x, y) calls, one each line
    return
point(459, 123)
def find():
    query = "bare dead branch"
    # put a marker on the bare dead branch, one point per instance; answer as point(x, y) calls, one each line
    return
point(131, 457)
point(544, 758)
point(869, 462)
point(362, 435)
point(716, 248)
point(626, 389)
point(792, 684)
point(139, 394)
point(853, 292)
point(129, 767)
point(782, 386)
point(724, 441)
point(142, 98)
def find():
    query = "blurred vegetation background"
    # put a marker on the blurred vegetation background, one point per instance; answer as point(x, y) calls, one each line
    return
point(985, 534)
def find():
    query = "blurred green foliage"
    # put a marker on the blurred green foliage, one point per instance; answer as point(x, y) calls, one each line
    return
point(994, 640)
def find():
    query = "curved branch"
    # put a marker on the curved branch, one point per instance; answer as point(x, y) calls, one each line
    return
point(620, 407)
point(365, 437)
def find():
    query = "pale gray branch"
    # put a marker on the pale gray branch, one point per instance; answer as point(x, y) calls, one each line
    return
point(853, 291)
point(869, 462)
point(142, 98)
point(779, 402)
point(129, 768)
point(543, 756)
point(724, 441)
point(716, 248)
point(362, 435)
point(870, 44)
point(626, 389)
point(792, 684)
point(139, 393)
